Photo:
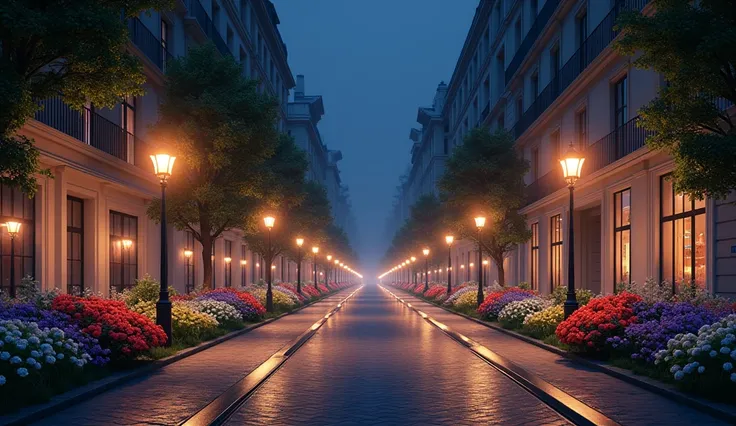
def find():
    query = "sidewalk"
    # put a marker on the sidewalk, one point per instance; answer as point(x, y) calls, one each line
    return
point(173, 393)
point(619, 400)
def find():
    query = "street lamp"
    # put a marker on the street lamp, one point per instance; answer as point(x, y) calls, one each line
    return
point(299, 244)
point(163, 166)
point(413, 270)
point(426, 269)
point(337, 272)
point(572, 166)
point(449, 239)
point(327, 268)
point(480, 222)
point(269, 221)
point(315, 251)
point(13, 228)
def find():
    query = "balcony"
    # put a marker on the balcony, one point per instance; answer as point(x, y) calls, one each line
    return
point(589, 50)
point(610, 148)
point(151, 46)
point(208, 27)
point(92, 129)
point(539, 23)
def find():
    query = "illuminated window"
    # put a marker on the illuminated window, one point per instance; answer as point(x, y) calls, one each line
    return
point(534, 282)
point(123, 250)
point(190, 262)
point(555, 223)
point(74, 246)
point(228, 264)
point(622, 237)
point(16, 206)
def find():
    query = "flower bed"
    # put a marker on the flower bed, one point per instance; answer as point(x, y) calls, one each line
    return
point(249, 310)
point(513, 314)
point(543, 323)
point(496, 301)
point(188, 325)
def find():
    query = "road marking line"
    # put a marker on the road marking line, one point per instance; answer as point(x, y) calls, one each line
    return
point(560, 401)
point(217, 411)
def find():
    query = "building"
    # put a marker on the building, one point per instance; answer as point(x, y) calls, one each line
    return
point(545, 71)
point(304, 114)
point(87, 227)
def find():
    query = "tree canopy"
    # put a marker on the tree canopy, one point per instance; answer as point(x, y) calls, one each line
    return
point(228, 150)
point(693, 45)
point(485, 176)
point(76, 50)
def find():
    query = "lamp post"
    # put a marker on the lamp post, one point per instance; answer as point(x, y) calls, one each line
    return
point(483, 267)
point(480, 222)
point(572, 165)
point(426, 269)
point(269, 222)
point(414, 270)
point(163, 165)
point(299, 244)
point(337, 272)
point(327, 268)
point(315, 251)
point(449, 239)
point(13, 228)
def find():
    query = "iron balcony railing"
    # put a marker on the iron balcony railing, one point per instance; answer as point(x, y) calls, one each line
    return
point(614, 146)
point(92, 129)
point(596, 42)
point(539, 23)
point(151, 46)
point(204, 20)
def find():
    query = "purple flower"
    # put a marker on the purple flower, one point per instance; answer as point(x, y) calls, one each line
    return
point(248, 312)
point(495, 308)
point(60, 320)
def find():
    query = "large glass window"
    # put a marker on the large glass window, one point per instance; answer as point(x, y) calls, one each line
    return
point(16, 206)
point(534, 281)
point(243, 265)
point(622, 236)
point(190, 262)
point(620, 102)
point(74, 245)
point(123, 251)
point(555, 224)
point(682, 238)
point(228, 263)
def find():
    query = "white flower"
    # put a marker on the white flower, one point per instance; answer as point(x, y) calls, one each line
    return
point(679, 375)
point(22, 372)
point(675, 368)
point(727, 366)
point(50, 359)
point(33, 340)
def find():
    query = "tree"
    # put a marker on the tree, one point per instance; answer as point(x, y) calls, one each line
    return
point(485, 175)
point(693, 45)
point(222, 132)
point(56, 47)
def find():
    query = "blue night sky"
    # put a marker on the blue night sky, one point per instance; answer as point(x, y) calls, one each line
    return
point(374, 62)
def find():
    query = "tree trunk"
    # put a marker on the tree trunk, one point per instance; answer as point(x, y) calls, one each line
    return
point(207, 261)
point(498, 259)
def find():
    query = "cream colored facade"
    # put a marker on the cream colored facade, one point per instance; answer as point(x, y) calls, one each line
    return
point(75, 227)
point(545, 70)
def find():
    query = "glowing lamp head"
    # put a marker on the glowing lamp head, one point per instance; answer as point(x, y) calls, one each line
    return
point(269, 221)
point(572, 165)
point(228, 259)
point(273, 266)
point(336, 261)
point(300, 242)
point(426, 252)
point(13, 228)
point(126, 243)
point(315, 249)
point(329, 257)
point(163, 165)
point(449, 239)
point(485, 262)
point(471, 265)
point(407, 261)
point(243, 262)
point(480, 222)
point(413, 259)
point(188, 253)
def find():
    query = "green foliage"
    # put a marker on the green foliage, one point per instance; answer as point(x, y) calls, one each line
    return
point(582, 295)
point(55, 47)
point(423, 229)
point(485, 175)
point(188, 326)
point(693, 45)
point(146, 289)
point(543, 323)
point(222, 132)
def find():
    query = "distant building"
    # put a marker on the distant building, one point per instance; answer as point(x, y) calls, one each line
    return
point(545, 71)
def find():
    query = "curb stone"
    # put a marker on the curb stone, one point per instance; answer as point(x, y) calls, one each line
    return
point(725, 413)
point(75, 396)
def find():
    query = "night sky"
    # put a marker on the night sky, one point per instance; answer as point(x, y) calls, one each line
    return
point(374, 62)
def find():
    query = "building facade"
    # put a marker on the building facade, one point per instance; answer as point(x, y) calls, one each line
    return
point(545, 71)
point(87, 227)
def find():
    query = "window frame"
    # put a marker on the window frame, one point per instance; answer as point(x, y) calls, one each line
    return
point(24, 242)
point(556, 254)
point(190, 263)
point(620, 229)
point(71, 229)
point(228, 253)
point(113, 238)
point(534, 257)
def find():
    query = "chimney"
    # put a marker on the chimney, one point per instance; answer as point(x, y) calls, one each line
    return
point(439, 97)
point(299, 92)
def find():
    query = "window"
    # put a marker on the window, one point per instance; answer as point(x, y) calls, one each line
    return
point(519, 108)
point(229, 37)
point(517, 34)
point(554, 141)
point(15, 205)
point(682, 237)
point(554, 62)
point(534, 80)
point(581, 34)
point(535, 163)
point(214, 274)
point(622, 236)
point(497, 17)
point(501, 123)
point(216, 15)
point(581, 127)
point(228, 263)
point(445, 146)
point(533, 6)
point(243, 265)
point(128, 117)
point(123, 251)
point(164, 35)
point(189, 245)
point(74, 246)
point(620, 102)
point(534, 281)
point(555, 224)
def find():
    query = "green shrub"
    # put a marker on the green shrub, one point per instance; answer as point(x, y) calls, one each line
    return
point(543, 323)
point(146, 289)
point(559, 295)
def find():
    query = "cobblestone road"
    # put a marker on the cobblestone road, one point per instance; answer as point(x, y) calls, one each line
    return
point(376, 362)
